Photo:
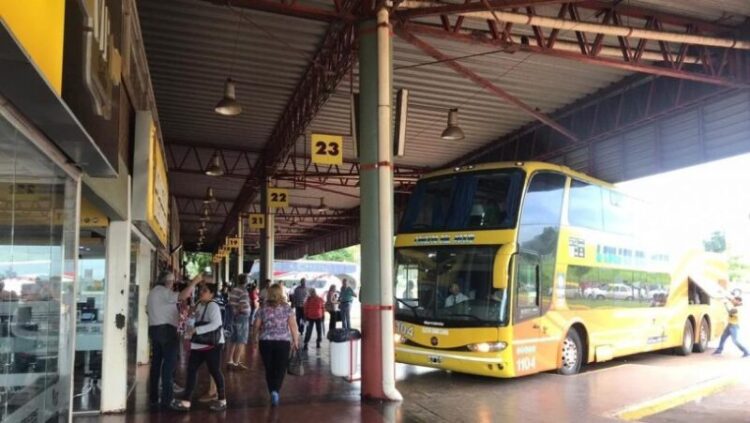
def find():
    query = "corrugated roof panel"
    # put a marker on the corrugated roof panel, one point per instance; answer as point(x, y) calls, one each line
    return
point(679, 140)
point(578, 159)
point(607, 156)
point(727, 126)
point(639, 152)
point(193, 46)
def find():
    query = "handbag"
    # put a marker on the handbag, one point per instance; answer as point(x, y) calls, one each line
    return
point(295, 366)
point(209, 338)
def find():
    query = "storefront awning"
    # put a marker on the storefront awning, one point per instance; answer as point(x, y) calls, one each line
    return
point(23, 85)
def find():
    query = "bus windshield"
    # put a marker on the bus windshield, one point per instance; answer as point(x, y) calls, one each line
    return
point(475, 200)
point(448, 286)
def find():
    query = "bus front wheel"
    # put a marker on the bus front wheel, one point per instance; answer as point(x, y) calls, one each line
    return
point(572, 353)
point(687, 340)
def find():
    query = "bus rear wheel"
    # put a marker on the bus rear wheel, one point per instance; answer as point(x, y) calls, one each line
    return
point(572, 353)
point(687, 340)
point(703, 337)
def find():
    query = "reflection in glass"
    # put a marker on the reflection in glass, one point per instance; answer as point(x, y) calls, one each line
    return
point(89, 318)
point(38, 208)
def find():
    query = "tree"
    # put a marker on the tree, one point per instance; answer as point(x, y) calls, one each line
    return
point(348, 254)
point(196, 263)
point(716, 244)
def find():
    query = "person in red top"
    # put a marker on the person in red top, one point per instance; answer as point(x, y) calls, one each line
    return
point(314, 312)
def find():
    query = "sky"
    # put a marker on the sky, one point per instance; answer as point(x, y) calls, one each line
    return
point(696, 201)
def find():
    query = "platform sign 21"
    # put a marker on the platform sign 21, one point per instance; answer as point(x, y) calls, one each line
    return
point(327, 149)
point(257, 221)
point(278, 198)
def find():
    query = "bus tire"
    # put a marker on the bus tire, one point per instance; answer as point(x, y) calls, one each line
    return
point(703, 336)
point(686, 347)
point(571, 353)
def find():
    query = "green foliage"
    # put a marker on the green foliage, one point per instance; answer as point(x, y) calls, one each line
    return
point(716, 244)
point(196, 263)
point(739, 269)
point(348, 254)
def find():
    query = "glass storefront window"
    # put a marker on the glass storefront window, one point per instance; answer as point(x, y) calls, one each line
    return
point(38, 233)
point(90, 298)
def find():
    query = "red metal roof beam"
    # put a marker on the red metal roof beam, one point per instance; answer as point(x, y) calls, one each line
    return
point(487, 85)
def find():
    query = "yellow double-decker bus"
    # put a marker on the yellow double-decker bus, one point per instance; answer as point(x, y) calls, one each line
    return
point(509, 269)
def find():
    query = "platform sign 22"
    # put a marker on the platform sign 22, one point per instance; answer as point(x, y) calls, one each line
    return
point(278, 198)
point(257, 221)
point(327, 149)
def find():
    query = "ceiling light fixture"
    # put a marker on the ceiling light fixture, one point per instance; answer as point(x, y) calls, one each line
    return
point(228, 105)
point(322, 208)
point(452, 132)
point(209, 196)
point(214, 168)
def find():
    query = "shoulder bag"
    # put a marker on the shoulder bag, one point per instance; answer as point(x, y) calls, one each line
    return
point(209, 338)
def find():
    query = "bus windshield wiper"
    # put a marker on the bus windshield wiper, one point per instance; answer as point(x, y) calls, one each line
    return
point(411, 307)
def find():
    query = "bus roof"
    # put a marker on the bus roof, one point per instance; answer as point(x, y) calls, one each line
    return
point(527, 166)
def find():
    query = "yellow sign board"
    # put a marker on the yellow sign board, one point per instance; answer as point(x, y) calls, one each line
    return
point(278, 198)
point(157, 210)
point(257, 221)
point(327, 149)
point(233, 243)
point(38, 25)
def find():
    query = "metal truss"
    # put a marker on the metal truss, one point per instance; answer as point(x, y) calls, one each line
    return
point(689, 60)
point(193, 159)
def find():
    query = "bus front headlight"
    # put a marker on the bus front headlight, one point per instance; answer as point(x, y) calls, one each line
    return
point(485, 347)
point(398, 339)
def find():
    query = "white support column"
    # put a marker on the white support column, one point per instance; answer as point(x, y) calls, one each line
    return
point(115, 328)
point(143, 275)
point(227, 262)
point(114, 385)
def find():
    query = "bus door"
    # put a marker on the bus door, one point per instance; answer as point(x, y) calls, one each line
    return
point(528, 313)
point(538, 234)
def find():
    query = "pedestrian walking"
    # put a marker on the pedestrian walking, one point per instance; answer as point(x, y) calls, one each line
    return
point(314, 313)
point(207, 340)
point(239, 304)
point(276, 328)
point(332, 307)
point(299, 296)
point(163, 320)
point(252, 292)
point(345, 304)
point(733, 328)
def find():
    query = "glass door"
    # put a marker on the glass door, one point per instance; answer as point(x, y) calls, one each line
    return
point(90, 300)
point(38, 238)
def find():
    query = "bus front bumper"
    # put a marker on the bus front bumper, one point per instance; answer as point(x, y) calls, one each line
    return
point(484, 364)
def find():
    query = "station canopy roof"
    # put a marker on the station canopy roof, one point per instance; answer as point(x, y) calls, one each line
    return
point(528, 78)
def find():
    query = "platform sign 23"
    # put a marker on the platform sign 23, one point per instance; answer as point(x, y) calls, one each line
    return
point(327, 149)
point(278, 198)
point(256, 221)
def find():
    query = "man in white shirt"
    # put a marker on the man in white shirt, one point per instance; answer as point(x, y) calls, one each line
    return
point(456, 296)
point(163, 318)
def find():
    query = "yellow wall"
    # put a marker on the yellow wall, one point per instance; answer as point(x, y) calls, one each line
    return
point(39, 26)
